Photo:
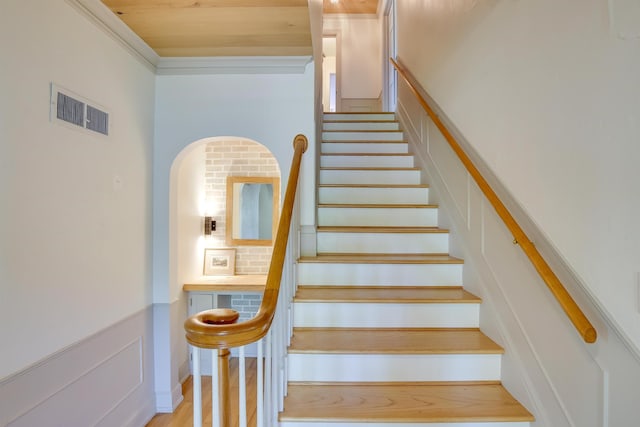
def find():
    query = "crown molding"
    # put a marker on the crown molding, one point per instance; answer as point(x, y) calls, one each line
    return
point(103, 18)
point(233, 65)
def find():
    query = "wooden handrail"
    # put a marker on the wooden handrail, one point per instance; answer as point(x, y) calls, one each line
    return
point(217, 328)
point(575, 314)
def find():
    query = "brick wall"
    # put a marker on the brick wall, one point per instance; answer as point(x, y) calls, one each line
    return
point(236, 157)
point(246, 304)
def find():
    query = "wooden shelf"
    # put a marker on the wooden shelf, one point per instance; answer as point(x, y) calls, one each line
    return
point(238, 283)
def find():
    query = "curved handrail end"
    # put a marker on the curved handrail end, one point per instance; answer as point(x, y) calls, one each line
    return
point(300, 138)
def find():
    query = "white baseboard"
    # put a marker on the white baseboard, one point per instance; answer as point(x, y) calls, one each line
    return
point(166, 403)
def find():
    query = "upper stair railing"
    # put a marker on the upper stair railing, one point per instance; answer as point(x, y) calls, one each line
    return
point(575, 314)
point(219, 331)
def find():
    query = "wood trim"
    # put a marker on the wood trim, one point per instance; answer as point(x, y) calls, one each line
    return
point(568, 304)
point(205, 335)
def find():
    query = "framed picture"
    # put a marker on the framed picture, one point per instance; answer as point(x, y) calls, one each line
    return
point(219, 262)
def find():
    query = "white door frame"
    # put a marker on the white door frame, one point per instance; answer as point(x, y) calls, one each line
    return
point(390, 79)
point(336, 34)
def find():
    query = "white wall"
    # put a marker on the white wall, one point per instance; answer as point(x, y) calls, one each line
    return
point(189, 210)
point(549, 96)
point(328, 68)
point(188, 241)
point(270, 108)
point(75, 220)
point(75, 226)
point(548, 367)
point(360, 57)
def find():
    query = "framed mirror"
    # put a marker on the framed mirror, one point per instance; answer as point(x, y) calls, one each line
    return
point(253, 207)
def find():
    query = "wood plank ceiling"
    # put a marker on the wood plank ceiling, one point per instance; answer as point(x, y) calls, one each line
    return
point(351, 6)
point(191, 28)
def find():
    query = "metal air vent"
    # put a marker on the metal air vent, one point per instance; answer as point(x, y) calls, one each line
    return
point(70, 108)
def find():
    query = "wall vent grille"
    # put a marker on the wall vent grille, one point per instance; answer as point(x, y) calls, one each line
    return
point(67, 107)
point(97, 120)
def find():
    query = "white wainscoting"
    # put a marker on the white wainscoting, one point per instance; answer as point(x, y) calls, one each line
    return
point(547, 366)
point(103, 380)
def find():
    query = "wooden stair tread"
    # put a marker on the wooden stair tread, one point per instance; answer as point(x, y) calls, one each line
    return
point(336, 113)
point(369, 154)
point(363, 141)
point(392, 341)
point(380, 294)
point(402, 402)
point(360, 121)
point(375, 168)
point(375, 229)
point(363, 130)
point(374, 185)
point(382, 259)
point(374, 206)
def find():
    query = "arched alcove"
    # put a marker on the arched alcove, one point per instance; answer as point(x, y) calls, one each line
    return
point(197, 189)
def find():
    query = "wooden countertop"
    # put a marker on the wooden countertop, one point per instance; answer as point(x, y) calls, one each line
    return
point(239, 283)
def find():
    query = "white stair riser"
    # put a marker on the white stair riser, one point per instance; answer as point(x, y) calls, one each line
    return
point(327, 274)
point(389, 161)
point(383, 243)
point(359, 117)
point(373, 195)
point(385, 315)
point(369, 177)
point(363, 136)
point(373, 125)
point(396, 424)
point(393, 367)
point(391, 217)
point(365, 147)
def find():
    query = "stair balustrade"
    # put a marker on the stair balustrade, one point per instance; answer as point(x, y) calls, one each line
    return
point(218, 331)
point(568, 304)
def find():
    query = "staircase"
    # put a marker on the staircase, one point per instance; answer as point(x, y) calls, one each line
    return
point(384, 333)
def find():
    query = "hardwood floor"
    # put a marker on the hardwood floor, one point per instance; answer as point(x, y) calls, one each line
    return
point(183, 415)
